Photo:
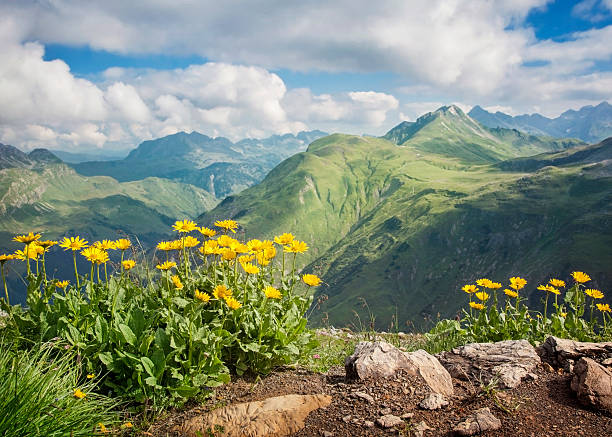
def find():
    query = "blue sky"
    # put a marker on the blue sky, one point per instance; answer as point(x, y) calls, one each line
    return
point(109, 74)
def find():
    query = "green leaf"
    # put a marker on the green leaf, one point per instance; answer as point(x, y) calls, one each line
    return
point(151, 380)
point(162, 340)
point(101, 329)
point(148, 365)
point(137, 321)
point(128, 334)
point(106, 358)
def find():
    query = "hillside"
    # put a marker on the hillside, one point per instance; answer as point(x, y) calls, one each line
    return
point(214, 164)
point(404, 227)
point(40, 193)
point(590, 123)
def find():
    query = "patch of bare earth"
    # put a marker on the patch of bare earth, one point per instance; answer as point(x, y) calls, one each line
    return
point(542, 407)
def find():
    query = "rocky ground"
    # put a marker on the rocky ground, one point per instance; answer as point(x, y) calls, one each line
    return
point(541, 404)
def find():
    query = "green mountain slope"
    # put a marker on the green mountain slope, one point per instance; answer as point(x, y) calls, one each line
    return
point(404, 227)
point(47, 195)
point(214, 164)
point(450, 132)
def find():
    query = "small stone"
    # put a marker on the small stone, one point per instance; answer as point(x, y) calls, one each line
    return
point(366, 397)
point(389, 421)
point(407, 416)
point(328, 434)
point(548, 368)
point(481, 421)
point(420, 429)
point(368, 424)
point(346, 419)
point(385, 411)
point(433, 401)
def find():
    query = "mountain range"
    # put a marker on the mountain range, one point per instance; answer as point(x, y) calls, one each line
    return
point(405, 220)
point(216, 165)
point(590, 123)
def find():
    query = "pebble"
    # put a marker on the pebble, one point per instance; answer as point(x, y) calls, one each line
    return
point(364, 396)
point(385, 411)
point(433, 401)
point(389, 421)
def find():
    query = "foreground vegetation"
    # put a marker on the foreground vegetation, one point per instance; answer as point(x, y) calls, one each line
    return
point(212, 306)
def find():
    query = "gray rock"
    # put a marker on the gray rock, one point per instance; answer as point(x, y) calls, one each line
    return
point(328, 434)
point(509, 361)
point(382, 360)
point(420, 428)
point(366, 397)
point(481, 421)
point(433, 401)
point(564, 353)
point(389, 421)
point(368, 424)
point(592, 383)
point(385, 411)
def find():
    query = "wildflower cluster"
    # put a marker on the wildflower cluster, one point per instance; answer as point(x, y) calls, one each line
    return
point(212, 304)
point(491, 320)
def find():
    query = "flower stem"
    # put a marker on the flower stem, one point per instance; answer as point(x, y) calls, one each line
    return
point(76, 273)
point(6, 289)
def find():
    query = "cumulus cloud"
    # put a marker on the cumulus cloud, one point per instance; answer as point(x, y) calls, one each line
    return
point(44, 104)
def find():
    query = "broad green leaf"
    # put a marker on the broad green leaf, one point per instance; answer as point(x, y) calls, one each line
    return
point(128, 334)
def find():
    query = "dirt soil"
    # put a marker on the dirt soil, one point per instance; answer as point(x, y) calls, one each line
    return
point(542, 407)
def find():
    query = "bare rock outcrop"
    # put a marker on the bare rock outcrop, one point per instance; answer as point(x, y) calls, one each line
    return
point(278, 416)
point(382, 360)
point(592, 383)
point(564, 353)
point(509, 361)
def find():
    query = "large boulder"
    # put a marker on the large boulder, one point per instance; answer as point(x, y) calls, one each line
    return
point(564, 353)
point(276, 417)
point(508, 361)
point(592, 383)
point(381, 360)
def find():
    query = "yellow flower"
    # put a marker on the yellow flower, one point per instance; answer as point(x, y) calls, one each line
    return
point(240, 248)
point(91, 376)
point(177, 282)
point(250, 268)
point(477, 306)
point(296, 247)
point(165, 246)
point(261, 259)
point(207, 232)
point(79, 394)
point(563, 315)
point(272, 293)
point(494, 285)
point(232, 303)
point(311, 280)
point(204, 297)
point(557, 283)
point(21, 254)
point(127, 425)
point(229, 225)
point(166, 265)
point(95, 255)
point(246, 259)
point(604, 307)
point(9, 257)
point(26, 239)
point(269, 252)
point(221, 292)
point(123, 244)
point(228, 254)
point(484, 282)
point(105, 245)
point(62, 284)
point(517, 282)
point(190, 241)
point(255, 245)
point(227, 241)
point(46, 244)
point(76, 243)
point(482, 295)
point(581, 277)
point(284, 239)
point(128, 264)
point(176, 245)
point(184, 226)
point(469, 289)
point(102, 428)
point(548, 288)
point(208, 248)
point(511, 293)
point(595, 294)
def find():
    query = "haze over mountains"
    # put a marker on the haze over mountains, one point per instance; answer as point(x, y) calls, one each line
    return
point(590, 123)
point(214, 164)
point(403, 220)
